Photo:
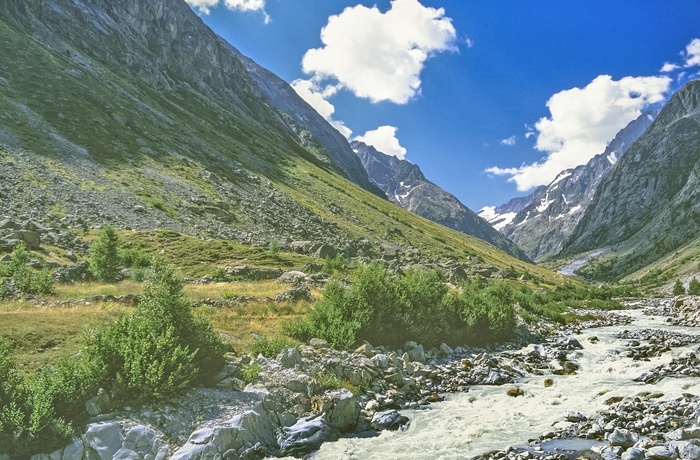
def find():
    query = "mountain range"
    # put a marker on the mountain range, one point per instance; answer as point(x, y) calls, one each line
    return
point(540, 222)
point(136, 114)
point(405, 184)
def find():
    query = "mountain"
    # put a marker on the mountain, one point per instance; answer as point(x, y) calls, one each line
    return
point(502, 215)
point(648, 205)
point(405, 185)
point(136, 114)
point(552, 212)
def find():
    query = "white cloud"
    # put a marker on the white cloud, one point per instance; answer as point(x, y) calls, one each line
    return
point(693, 53)
point(669, 67)
point(384, 140)
point(509, 141)
point(309, 91)
point(204, 6)
point(378, 55)
point(582, 122)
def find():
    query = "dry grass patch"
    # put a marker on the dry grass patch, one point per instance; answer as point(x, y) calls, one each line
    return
point(84, 290)
point(39, 335)
point(240, 325)
point(257, 289)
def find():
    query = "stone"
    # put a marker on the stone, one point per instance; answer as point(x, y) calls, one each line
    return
point(291, 277)
point(633, 454)
point(621, 437)
point(340, 408)
point(74, 450)
point(575, 417)
point(684, 433)
point(689, 451)
point(305, 436)
point(388, 420)
point(98, 404)
point(31, 237)
point(515, 392)
point(103, 440)
point(660, 453)
point(446, 350)
point(290, 358)
point(571, 343)
point(318, 343)
point(417, 354)
point(326, 251)
point(366, 349)
point(548, 383)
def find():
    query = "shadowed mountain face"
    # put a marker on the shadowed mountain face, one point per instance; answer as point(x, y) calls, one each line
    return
point(542, 221)
point(405, 185)
point(134, 113)
point(648, 205)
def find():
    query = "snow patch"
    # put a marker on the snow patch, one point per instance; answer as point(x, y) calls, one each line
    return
point(560, 178)
point(574, 209)
point(544, 203)
point(497, 220)
point(612, 158)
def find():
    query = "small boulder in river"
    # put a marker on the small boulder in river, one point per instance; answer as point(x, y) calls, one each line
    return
point(621, 437)
point(515, 392)
point(388, 420)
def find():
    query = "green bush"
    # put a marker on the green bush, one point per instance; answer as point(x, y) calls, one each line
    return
point(694, 287)
point(273, 248)
point(24, 278)
point(249, 372)
point(134, 258)
point(271, 347)
point(678, 288)
point(28, 422)
point(104, 256)
point(332, 265)
point(389, 310)
point(328, 381)
point(161, 349)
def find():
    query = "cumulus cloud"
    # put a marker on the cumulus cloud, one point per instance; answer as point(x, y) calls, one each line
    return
point(692, 53)
point(204, 6)
point(582, 122)
point(384, 140)
point(378, 55)
point(669, 67)
point(509, 141)
point(316, 98)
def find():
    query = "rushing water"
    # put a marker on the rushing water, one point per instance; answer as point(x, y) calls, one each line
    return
point(485, 418)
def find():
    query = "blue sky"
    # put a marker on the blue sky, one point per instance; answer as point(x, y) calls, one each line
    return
point(490, 98)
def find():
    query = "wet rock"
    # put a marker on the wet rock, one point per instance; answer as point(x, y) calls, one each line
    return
point(305, 436)
point(388, 420)
point(621, 437)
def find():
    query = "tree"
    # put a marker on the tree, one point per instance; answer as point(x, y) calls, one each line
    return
point(694, 287)
point(678, 288)
point(104, 256)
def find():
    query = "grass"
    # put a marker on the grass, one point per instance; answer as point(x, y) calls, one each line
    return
point(39, 335)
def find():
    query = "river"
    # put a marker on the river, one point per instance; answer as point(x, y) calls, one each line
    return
point(485, 418)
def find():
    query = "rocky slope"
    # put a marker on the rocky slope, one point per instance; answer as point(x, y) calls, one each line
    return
point(136, 114)
point(405, 184)
point(541, 226)
point(649, 203)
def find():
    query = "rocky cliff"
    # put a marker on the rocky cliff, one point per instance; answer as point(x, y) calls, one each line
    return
point(404, 184)
point(552, 212)
point(648, 205)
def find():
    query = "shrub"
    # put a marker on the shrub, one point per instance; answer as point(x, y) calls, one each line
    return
point(273, 248)
point(271, 347)
point(24, 279)
point(694, 287)
point(249, 372)
point(333, 264)
point(104, 256)
point(161, 349)
point(327, 381)
point(134, 258)
point(678, 288)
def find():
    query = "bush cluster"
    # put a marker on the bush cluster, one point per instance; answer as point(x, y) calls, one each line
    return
point(156, 352)
point(24, 279)
point(694, 287)
point(390, 310)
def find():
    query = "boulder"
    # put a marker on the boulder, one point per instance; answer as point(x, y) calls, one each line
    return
point(294, 295)
point(633, 454)
point(621, 437)
point(103, 440)
point(98, 404)
point(31, 237)
point(575, 417)
point(417, 354)
point(289, 358)
point(388, 420)
point(340, 408)
point(660, 453)
point(291, 277)
point(305, 436)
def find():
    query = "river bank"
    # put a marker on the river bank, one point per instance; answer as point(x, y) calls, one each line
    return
point(289, 409)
